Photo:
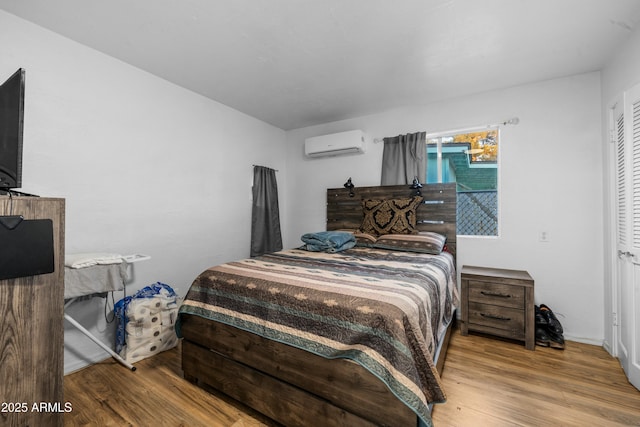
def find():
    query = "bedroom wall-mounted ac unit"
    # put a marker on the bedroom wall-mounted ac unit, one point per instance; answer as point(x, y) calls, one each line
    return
point(335, 144)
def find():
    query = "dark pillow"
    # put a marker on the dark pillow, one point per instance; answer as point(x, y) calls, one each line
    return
point(362, 239)
point(391, 216)
point(424, 242)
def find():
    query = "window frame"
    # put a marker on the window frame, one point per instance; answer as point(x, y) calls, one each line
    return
point(449, 133)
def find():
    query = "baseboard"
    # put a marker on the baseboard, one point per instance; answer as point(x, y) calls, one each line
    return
point(607, 346)
point(583, 340)
point(87, 360)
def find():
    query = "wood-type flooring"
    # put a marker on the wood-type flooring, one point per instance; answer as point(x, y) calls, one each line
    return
point(488, 382)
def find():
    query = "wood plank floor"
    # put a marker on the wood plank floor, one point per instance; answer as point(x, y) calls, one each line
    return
point(108, 394)
point(491, 382)
point(488, 383)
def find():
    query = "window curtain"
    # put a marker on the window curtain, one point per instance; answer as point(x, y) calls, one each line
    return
point(404, 157)
point(265, 216)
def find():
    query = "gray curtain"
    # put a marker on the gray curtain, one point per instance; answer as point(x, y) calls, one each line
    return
point(265, 217)
point(403, 158)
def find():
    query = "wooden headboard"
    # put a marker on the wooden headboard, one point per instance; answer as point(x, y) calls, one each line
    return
point(437, 212)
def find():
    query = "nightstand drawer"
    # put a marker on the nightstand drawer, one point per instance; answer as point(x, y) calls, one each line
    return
point(510, 320)
point(496, 294)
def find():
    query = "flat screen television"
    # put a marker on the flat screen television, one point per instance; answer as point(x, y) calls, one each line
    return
point(11, 126)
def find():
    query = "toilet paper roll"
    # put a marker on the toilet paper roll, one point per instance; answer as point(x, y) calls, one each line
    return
point(142, 341)
point(156, 303)
point(152, 319)
point(169, 342)
point(137, 313)
point(142, 327)
point(159, 339)
point(134, 354)
point(165, 303)
point(138, 348)
point(168, 317)
point(138, 309)
point(166, 335)
point(140, 330)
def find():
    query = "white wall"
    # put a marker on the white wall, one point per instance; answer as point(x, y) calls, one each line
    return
point(550, 180)
point(621, 73)
point(149, 167)
point(145, 166)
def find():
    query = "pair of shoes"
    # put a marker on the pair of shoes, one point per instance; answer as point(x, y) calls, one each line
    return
point(542, 338)
point(540, 319)
point(552, 321)
point(548, 328)
point(556, 340)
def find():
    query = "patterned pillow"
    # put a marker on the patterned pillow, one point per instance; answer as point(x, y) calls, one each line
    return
point(424, 242)
point(363, 240)
point(392, 216)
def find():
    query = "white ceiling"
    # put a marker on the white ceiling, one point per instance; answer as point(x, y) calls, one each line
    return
point(295, 63)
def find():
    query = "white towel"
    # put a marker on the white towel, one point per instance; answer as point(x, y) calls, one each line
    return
point(90, 259)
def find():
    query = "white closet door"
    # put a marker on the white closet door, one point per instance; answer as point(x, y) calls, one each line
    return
point(627, 132)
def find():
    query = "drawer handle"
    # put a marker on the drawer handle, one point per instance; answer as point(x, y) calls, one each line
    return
point(495, 294)
point(493, 316)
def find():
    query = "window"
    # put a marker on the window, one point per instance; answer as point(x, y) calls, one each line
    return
point(470, 159)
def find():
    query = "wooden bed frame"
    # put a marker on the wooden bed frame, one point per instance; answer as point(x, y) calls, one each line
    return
point(292, 386)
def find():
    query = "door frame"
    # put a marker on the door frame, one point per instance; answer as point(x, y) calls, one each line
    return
point(612, 296)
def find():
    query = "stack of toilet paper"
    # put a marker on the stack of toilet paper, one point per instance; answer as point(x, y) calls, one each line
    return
point(150, 326)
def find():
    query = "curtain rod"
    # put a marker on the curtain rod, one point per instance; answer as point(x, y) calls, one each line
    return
point(511, 121)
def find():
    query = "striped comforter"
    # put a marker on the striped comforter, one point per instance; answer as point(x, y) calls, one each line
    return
point(384, 310)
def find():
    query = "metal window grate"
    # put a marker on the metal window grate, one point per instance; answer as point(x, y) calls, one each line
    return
point(478, 213)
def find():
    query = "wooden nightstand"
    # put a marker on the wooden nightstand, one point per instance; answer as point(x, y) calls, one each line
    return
point(498, 302)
